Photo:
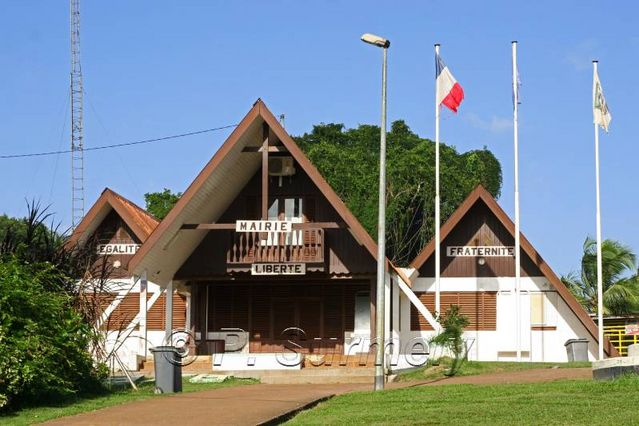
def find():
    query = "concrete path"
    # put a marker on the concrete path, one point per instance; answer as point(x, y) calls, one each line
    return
point(255, 404)
point(238, 405)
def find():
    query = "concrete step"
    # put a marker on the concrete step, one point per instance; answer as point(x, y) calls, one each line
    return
point(148, 368)
point(315, 379)
point(324, 372)
point(301, 376)
point(308, 376)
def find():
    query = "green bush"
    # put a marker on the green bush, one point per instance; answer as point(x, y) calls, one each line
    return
point(43, 341)
point(451, 337)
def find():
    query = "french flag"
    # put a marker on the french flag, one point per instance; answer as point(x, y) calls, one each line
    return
point(449, 92)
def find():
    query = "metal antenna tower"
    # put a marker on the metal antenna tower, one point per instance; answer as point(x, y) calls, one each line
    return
point(77, 144)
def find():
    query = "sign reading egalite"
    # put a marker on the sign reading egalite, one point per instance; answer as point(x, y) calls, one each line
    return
point(127, 249)
point(278, 269)
point(263, 226)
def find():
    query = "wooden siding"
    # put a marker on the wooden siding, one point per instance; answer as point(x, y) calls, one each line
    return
point(129, 307)
point(480, 227)
point(479, 307)
point(323, 310)
point(343, 255)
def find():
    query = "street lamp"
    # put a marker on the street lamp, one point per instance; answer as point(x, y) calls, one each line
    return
point(381, 224)
point(376, 40)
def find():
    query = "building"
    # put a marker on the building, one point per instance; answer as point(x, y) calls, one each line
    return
point(478, 274)
point(263, 247)
point(133, 318)
point(266, 265)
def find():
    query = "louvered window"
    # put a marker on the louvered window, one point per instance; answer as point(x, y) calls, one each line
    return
point(479, 307)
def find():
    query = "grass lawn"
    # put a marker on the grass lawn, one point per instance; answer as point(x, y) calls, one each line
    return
point(473, 368)
point(30, 415)
point(561, 402)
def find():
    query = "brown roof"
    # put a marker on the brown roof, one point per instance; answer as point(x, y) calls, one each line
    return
point(259, 113)
point(143, 219)
point(480, 193)
point(139, 220)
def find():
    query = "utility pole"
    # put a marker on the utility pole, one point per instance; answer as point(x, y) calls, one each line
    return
point(77, 122)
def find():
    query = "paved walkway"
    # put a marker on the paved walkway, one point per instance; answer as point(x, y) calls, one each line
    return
point(255, 404)
point(238, 405)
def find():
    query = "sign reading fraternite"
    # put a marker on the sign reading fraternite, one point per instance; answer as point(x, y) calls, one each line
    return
point(126, 249)
point(477, 251)
point(278, 269)
point(263, 226)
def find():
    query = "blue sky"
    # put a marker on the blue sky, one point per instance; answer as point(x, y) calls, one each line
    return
point(155, 68)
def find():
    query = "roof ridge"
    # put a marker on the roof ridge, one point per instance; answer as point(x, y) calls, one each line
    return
point(133, 204)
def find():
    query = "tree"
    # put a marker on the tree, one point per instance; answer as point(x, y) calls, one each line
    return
point(620, 279)
point(159, 204)
point(349, 160)
point(30, 237)
point(451, 337)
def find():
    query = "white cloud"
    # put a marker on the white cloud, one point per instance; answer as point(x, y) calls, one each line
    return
point(581, 55)
point(494, 125)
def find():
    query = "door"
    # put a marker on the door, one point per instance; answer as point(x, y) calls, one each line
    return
point(309, 315)
point(284, 316)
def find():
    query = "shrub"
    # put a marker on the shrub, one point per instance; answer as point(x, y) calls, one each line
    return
point(450, 338)
point(43, 341)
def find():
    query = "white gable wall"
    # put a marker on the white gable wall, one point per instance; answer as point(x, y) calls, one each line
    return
point(500, 345)
point(130, 340)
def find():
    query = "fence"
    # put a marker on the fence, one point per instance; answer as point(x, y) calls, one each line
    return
point(619, 339)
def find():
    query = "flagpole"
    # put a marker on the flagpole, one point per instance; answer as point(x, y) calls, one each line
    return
point(599, 242)
point(437, 218)
point(517, 232)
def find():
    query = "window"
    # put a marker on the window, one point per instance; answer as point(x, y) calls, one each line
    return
point(289, 209)
point(542, 309)
point(362, 313)
point(293, 213)
point(479, 307)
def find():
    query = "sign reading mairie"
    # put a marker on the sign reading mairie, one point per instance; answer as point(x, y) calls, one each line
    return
point(483, 251)
point(263, 226)
point(278, 269)
point(126, 249)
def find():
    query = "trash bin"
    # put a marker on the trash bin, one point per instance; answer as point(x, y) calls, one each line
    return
point(168, 369)
point(577, 349)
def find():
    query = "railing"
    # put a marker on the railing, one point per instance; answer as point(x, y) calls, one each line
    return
point(302, 246)
point(619, 339)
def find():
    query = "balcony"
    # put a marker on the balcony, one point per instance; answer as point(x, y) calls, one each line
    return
point(298, 246)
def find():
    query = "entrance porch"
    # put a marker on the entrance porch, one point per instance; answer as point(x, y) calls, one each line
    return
point(274, 316)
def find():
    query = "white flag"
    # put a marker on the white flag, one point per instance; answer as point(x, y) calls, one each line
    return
point(600, 111)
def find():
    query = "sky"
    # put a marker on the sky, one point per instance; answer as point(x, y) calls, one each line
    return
point(158, 68)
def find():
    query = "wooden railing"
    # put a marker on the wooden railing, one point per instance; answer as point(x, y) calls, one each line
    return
point(301, 246)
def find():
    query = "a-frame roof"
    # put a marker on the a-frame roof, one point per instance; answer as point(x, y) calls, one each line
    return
point(481, 194)
point(221, 180)
point(139, 220)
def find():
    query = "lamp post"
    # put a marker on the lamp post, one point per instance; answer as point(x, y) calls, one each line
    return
point(381, 224)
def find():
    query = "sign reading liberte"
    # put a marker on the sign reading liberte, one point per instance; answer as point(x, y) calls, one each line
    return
point(127, 249)
point(278, 269)
point(263, 226)
point(476, 251)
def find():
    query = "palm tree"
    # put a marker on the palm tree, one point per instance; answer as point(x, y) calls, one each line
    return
point(620, 278)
